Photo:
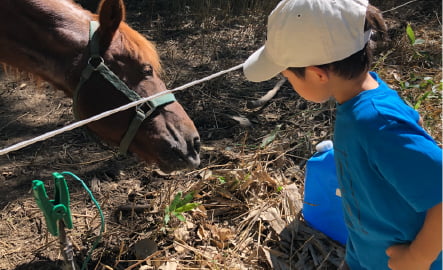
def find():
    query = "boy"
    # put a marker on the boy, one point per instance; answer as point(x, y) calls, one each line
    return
point(389, 169)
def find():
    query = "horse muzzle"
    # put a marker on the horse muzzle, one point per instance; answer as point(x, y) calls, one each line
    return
point(175, 142)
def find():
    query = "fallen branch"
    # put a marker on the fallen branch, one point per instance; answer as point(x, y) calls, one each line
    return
point(264, 99)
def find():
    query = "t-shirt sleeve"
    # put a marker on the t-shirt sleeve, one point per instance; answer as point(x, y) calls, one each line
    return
point(410, 160)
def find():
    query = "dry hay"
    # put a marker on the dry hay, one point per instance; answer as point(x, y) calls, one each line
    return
point(248, 218)
point(249, 196)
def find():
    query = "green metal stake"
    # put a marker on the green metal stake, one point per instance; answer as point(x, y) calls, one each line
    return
point(57, 214)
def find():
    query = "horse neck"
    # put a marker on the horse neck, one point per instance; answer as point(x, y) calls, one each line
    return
point(44, 37)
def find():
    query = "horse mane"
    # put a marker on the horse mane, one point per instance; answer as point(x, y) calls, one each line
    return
point(133, 42)
point(18, 74)
point(143, 49)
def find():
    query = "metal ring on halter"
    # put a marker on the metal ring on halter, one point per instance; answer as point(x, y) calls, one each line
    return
point(97, 64)
point(99, 58)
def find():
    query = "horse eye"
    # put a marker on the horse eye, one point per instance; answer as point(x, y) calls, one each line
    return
point(147, 70)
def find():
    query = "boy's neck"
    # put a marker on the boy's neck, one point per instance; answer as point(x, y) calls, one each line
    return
point(344, 90)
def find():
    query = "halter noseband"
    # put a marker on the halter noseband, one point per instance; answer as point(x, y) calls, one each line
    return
point(97, 64)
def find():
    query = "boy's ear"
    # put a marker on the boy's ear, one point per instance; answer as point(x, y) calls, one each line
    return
point(111, 14)
point(322, 75)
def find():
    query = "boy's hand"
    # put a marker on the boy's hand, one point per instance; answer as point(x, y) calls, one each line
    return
point(401, 258)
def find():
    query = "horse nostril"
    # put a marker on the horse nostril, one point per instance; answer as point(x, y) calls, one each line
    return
point(197, 144)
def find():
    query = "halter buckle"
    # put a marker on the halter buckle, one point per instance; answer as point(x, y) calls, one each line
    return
point(94, 61)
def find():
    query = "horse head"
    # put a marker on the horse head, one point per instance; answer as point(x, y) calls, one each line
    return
point(167, 136)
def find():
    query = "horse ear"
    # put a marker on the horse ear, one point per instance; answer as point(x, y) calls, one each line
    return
point(111, 13)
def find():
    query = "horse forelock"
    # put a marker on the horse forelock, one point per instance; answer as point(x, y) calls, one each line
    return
point(140, 47)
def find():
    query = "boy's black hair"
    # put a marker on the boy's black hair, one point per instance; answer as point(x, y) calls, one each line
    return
point(354, 65)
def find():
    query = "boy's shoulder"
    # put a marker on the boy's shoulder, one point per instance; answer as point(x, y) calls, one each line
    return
point(380, 106)
point(390, 107)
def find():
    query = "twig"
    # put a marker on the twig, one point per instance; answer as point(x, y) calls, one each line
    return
point(324, 260)
point(209, 167)
point(145, 260)
point(258, 237)
point(269, 95)
point(196, 251)
point(436, 16)
point(66, 248)
point(135, 208)
point(313, 255)
point(402, 5)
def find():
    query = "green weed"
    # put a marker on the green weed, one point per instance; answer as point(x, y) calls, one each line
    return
point(415, 41)
point(222, 180)
point(411, 36)
point(179, 206)
point(425, 85)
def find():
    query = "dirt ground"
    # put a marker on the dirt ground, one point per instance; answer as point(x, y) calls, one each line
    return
point(249, 196)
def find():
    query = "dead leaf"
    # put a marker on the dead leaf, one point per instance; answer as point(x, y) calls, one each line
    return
point(181, 234)
point(263, 176)
point(200, 212)
point(225, 234)
point(179, 249)
point(163, 174)
point(170, 265)
point(225, 194)
point(243, 121)
point(208, 148)
point(202, 233)
point(292, 202)
point(264, 252)
point(221, 237)
point(272, 216)
point(205, 174)
point(95, 185)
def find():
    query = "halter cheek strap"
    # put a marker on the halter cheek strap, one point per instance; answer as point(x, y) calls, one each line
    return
point(97, 64)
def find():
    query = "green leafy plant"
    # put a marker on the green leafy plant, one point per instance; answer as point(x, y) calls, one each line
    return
point(180, 205)
point(221, 179)
point(411, 36)
point(415, 41)
point(427, 85)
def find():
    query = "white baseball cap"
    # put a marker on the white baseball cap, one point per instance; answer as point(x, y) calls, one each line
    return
point(304, 33)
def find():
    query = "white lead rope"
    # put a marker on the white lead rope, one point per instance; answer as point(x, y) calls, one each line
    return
point(80, 123)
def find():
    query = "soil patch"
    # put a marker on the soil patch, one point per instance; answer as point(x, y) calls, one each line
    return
point(249, 196)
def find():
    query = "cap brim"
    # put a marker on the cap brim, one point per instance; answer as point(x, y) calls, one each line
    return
point(259, 67)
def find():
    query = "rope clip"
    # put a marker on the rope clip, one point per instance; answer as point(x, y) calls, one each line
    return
point(57, 209)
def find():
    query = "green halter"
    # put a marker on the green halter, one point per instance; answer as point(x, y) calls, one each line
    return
point(97, 64)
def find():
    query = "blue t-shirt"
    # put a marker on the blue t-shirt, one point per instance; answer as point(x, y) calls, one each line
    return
point(389, 171)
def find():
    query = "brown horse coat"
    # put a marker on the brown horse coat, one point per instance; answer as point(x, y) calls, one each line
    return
point(50, 38)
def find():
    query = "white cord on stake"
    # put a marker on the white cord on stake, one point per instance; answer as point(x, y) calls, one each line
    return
point(80, 123)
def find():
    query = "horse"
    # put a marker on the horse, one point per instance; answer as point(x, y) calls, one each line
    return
point(102, 63)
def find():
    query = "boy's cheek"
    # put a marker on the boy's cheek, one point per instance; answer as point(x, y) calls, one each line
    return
point(312, 95)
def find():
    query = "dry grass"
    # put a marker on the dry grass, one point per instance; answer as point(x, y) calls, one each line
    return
point(250, 197)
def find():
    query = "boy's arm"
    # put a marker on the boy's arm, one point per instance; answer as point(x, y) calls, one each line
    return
point(424, 249)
